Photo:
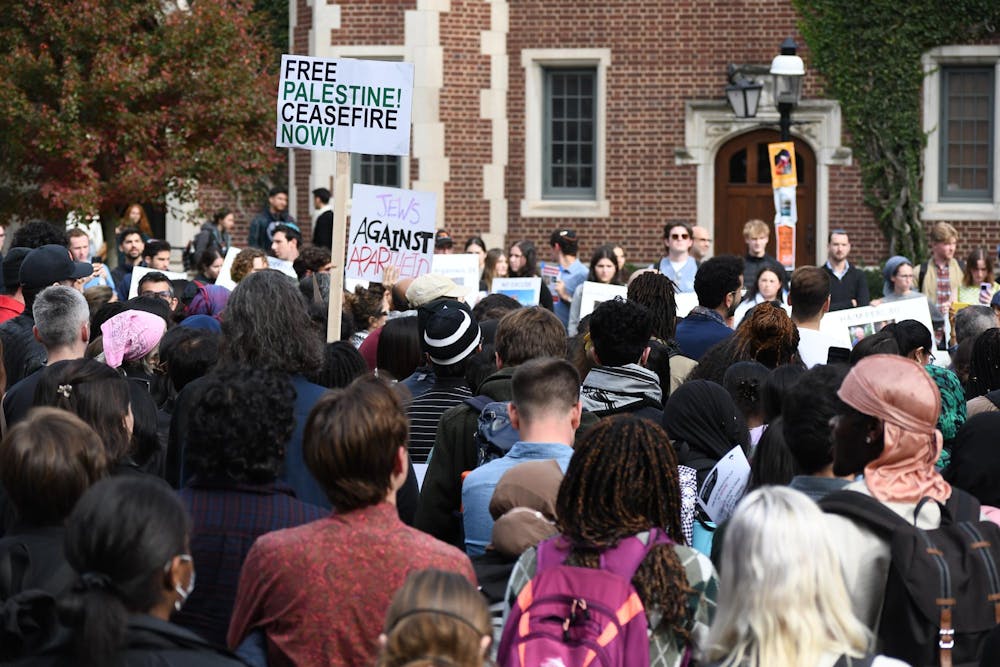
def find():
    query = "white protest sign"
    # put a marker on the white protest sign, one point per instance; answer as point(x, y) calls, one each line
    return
point(463, 269)
point(594, 293)
point(685, 301)
point(848, 327)
point(725, 485)
point(353, 106)
point(225, 278)
point(390, 227)
point(139, 271)
point(524, 290)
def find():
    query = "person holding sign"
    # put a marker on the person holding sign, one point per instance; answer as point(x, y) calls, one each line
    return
point(523, 260)
point(604, 270)
point(571, 272)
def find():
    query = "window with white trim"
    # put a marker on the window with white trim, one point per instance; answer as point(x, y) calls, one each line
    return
point(565, 116)
point(961, 179)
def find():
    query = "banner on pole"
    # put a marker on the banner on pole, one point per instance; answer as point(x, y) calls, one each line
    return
point(347, 105)
point(390, 227)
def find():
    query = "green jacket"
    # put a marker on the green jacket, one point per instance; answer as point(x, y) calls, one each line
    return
point(455, 452)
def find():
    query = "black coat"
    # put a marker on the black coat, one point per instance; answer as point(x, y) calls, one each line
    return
point(148, 642)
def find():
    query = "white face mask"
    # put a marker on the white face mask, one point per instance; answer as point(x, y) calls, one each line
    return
point(184, 593)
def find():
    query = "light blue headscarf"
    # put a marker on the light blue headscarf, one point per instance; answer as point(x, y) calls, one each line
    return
point(891, 266)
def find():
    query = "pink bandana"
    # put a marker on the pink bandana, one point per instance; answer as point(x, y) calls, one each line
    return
point(131, 335)
point(899, 391)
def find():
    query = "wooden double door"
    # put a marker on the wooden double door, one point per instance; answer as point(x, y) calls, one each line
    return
point(743, 191)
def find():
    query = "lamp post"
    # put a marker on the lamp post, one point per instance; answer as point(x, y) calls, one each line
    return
point(787, 70)
point(743, 94)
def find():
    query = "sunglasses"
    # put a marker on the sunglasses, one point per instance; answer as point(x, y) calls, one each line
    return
point(682, 237)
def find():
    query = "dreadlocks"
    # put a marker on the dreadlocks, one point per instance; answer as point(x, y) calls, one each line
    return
point(656, 292)
point(622, 480)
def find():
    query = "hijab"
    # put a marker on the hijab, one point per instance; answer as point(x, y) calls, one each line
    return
point(702, 415)
point(899, 392)
point(975, 459)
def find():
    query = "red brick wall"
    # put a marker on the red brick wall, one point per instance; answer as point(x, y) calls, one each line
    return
point(662, 54)
point(468, 138)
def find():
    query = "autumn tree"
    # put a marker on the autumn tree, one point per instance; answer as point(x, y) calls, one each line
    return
point(106, 102)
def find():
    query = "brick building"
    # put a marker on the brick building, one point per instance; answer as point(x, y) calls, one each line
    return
point(642, 132)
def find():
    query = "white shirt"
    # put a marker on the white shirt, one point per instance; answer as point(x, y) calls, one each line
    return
point(814, 346)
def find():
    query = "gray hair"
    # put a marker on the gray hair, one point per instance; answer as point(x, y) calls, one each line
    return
point(59, 313)
point(972, 321)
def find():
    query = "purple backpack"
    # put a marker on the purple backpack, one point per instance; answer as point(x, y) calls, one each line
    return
point(570, 616)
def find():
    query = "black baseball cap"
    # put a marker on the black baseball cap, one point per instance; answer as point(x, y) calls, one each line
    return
point(51, 264)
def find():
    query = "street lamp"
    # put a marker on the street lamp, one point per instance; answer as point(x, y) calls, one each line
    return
point(787, 70)
point(743, 94)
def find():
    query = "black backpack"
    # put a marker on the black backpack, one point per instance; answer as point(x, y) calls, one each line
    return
point(942, 596)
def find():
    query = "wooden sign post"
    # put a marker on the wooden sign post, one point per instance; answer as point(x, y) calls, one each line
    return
point(341, 186)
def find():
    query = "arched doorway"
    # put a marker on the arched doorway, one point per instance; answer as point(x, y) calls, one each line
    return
point(743, 191)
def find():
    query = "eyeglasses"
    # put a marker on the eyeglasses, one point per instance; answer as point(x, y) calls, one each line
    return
point(164, 294)
point(679, 237)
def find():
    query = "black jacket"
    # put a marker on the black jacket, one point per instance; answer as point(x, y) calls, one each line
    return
point(149, 642)
point(22, 354)
point(854, 285)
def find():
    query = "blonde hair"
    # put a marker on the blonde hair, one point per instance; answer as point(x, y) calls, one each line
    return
point(436, 618)
point(943, 232)
point(782, 597)
point(756, 228)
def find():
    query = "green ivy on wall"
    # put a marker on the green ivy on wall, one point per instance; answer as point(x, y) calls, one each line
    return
point(869, 53)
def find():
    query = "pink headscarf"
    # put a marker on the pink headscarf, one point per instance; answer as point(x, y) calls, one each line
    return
point(131, 335)
point(899, 391)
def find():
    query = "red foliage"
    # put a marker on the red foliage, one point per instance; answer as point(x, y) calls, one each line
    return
point(105, 103)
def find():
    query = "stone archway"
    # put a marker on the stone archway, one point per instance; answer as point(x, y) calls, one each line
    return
point(710, 124)
point(743, 191)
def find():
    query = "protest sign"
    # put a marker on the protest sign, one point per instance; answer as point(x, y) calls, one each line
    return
point(550, 273)
point(225, 278)
point(850, 326)
point(463, 270)
point(725, 485)
point(594, 293)
point(784, 178)
point(524, 290)
point(685, 302)
point(390, 227)
point(139, 271)
point(352, 106)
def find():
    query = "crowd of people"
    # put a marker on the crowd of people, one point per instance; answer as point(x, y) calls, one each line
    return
point(463, 484)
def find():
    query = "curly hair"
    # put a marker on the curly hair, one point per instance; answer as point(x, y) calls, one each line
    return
point(266, 324)
point(243, 263)
point(597, 507)
point(620, 331)
point(768, 335)
point(37, 233)
point(366, 305)
point(656, 292)
point(240, 425)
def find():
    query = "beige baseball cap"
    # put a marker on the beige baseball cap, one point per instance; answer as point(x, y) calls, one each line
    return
point(431, 286)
